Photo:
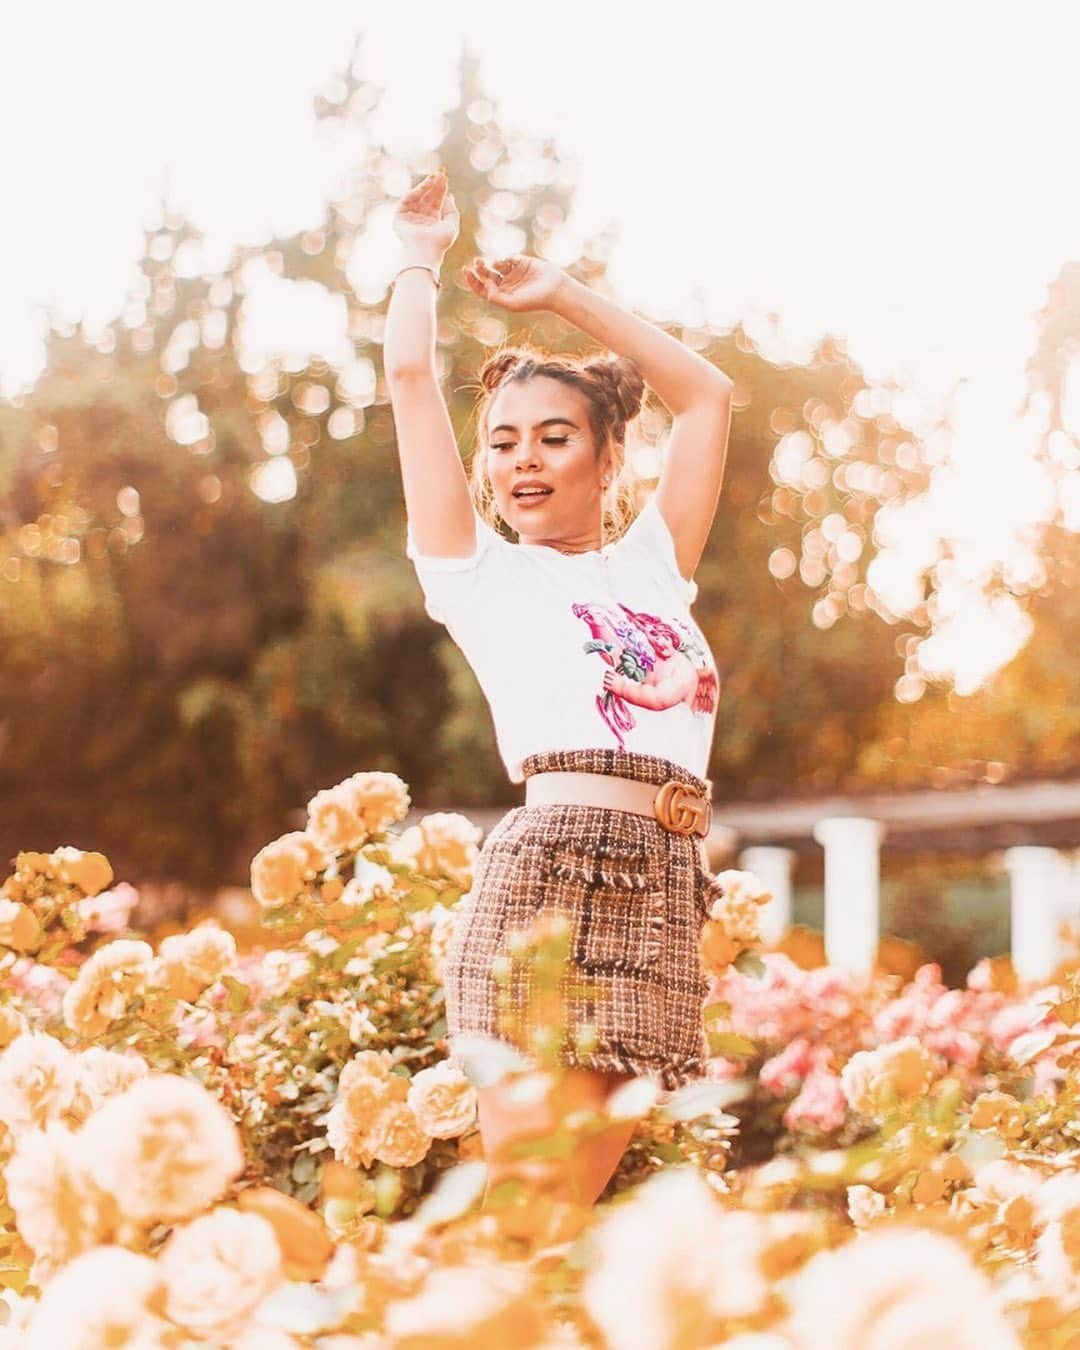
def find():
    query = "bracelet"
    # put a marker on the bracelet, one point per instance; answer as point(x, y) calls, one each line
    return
point(426, 268)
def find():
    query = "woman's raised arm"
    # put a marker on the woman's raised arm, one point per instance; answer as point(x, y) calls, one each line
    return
point(698, 395)
point(437, 500)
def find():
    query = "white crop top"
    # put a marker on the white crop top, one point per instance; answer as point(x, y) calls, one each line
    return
point(576, 651)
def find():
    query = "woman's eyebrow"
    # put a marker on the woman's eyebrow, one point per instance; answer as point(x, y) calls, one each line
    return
point(547, 422)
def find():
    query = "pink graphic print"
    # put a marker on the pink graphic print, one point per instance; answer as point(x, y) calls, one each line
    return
point(652, 663)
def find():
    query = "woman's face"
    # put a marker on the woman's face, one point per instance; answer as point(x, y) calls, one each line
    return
point(538, 430)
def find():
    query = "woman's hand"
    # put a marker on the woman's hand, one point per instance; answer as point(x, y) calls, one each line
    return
point(426, 219)
point(517, 283)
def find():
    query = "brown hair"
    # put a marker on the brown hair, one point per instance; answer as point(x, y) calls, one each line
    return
point(614, 391)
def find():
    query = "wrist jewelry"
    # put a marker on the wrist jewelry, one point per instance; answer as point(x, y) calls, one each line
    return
point(425, 267)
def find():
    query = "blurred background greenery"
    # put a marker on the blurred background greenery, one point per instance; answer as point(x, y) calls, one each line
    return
point(207, 615)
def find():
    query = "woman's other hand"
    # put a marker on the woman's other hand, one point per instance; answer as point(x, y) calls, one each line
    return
point(426, 219)
point(517, 283)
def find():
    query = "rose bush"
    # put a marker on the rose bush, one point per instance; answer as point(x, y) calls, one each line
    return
point(265, 1144)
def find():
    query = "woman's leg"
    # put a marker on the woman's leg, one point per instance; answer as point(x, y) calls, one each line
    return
point(600, 1154)
point(581, 1177)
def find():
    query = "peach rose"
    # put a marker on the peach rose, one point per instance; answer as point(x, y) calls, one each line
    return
point(352, 1120)
point(108, 1296)
point(106, 985)
point(163, 1150)
point(35, 864)
point(718, 950)
point(19, 926)
point(371, 1118)
point(896, 1286)
point(443, 1100)
point(442, 844)
point(378, 798)
point(38, 1083)
point(401, 1141)
point(333, 823)
point(282, 870)
point(59, 1210)
point(736, 907)
point(90, 872)
point(190, 962)
point(998, 1111)
point(874, 1080)
point(217, 1270)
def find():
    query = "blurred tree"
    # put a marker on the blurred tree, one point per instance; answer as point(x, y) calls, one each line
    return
point(1024, 722)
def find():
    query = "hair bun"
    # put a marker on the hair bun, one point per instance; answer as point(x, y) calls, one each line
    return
point(496, 366)
point(624, 381)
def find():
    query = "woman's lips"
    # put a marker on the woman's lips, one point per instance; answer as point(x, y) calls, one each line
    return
point(533, 497)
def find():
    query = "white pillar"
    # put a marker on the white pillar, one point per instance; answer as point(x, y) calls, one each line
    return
point(1037, 881)
point(1069, 889)
point(851, 846)
point(773, 866)
point(1069, 912)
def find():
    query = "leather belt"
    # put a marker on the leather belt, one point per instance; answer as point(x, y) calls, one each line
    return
point(677, 806)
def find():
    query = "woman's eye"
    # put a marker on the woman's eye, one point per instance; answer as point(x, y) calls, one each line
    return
point(548, 440)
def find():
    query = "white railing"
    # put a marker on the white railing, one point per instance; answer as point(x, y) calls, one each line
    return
point(1044, 889)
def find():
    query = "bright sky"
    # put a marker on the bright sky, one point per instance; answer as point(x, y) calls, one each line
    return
point(898, 175)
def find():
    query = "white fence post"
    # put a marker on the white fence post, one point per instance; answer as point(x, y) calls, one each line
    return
point(1038, 878)
point(1069, 893)
point(773, 865)
point(852, 890)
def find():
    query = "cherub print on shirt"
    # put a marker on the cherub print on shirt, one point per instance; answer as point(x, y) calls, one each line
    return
point(651, 662)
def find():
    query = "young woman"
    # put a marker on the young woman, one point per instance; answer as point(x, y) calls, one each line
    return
point(601, 685)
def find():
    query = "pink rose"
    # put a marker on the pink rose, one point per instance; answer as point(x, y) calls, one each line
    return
point(108, 911)
point(820, 1104)
point(785, 1072)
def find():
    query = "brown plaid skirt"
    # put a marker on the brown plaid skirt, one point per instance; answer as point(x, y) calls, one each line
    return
point(635, 894)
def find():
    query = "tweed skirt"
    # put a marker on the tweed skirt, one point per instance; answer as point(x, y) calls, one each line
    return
point(636, 896)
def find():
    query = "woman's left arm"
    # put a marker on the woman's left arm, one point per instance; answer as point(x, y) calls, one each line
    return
point(682, 379)
point(696, 393)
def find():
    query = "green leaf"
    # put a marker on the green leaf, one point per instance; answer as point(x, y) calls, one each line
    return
point(728, 1043)
point(712, 1011)
point(748, 962)
point(304, 1168)
point(337, 960)
point(239, 993)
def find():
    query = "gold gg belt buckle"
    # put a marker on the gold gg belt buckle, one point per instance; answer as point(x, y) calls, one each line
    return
point(682, 809)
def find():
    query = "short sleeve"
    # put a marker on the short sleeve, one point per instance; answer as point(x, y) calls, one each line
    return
point(451, 585)
point(649, 536)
